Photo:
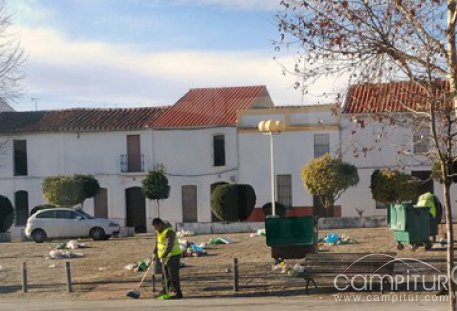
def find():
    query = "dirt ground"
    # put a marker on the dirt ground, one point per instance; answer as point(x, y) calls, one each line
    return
point(100, 274)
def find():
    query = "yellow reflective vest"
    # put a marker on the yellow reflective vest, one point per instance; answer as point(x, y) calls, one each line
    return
point(162, 244)
point(426, 200)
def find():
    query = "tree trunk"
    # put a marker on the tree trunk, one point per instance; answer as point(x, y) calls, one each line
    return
point(450, 245)
point(158, 209)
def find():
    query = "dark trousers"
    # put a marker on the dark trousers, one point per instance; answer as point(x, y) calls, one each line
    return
point(171, 274)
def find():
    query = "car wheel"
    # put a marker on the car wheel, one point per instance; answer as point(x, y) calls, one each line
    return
point(97, 233)
point(39, 236)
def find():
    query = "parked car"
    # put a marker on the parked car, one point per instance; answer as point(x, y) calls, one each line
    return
point(68, 223)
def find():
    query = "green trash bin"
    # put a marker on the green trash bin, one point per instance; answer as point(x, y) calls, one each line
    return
point(291, 237)
point(410, 225)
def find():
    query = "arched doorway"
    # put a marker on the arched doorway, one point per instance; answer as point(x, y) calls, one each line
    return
point(101, 204)
point(136, 209)
point(21, 203)
point(213, 187)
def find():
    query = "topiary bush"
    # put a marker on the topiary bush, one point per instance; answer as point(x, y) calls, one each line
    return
point(390, 186)
point(280, 209)
point(233, 202)
point(6, 214)
point(41, 207)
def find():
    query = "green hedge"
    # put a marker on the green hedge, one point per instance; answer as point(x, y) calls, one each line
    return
point(280, 209)
point(41, 207)
point(233, 202)
point(6, 214)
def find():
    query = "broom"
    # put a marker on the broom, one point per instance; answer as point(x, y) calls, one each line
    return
point(135, 293)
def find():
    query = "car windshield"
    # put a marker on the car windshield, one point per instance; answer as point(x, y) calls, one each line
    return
point(86, 215)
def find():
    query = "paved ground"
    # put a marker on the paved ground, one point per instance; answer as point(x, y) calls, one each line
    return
point(264, 304)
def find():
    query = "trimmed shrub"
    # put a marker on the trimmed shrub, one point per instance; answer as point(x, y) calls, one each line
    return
point(390, 186)
point(233, 202)
point(41, 207)
point(328, 178)
point(280, 209)
point(6, 214)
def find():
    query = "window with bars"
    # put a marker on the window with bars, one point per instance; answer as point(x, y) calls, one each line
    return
point(219, 150)
point(284, 189)
point(321, 145)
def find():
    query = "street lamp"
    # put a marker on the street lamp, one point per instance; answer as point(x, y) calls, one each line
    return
point(271, 127)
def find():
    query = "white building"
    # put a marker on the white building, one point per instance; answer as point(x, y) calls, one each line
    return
point(207, 138)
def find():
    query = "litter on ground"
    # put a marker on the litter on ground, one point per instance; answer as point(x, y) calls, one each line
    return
point(283, 267)
point(73, 244)
point(61, 254)
point(190, 249)
point(260, 232)
point(335, 239)
point(183, 233)
point(219, 241)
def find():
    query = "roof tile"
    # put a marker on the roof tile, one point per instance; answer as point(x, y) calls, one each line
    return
point(210, 107)
point(79, 120)
point(389, 97)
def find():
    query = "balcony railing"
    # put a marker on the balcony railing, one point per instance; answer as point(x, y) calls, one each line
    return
point(132, 164)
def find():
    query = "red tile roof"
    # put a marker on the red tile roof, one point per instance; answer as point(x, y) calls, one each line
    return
point(388, 97)
point(213, 106)
point(79, 120)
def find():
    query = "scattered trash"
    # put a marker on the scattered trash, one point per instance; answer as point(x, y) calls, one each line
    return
point(299, 268)
point(52, 265)
point(335, 239)
point(215, 241)
point(139, 266)
point(183, 233)
point(220, 241)
point(190, 249)
point(260, 232)
point(130, 266)
point(102, 269)
point(1, 268)
point(73, 244)
point(332, 238)
point(283, 267)
point(61, 254)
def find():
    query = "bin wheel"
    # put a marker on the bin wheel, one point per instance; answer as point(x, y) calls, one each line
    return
point(400, 246)
point(428, 245)
point(414, 247)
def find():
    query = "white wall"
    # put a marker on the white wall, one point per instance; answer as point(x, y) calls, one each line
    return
point(188, 157)
point(292, 151)
point(96, 153)
point(384, 154)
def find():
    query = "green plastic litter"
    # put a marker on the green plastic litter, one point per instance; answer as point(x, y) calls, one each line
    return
point(215, 241)
point(164, 297)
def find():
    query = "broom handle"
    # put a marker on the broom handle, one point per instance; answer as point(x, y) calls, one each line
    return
point(144, 276)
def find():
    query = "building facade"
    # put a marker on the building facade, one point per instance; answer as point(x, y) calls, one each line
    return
point(208, 138)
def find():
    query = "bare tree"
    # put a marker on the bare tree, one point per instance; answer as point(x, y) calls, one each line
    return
point(382, 41)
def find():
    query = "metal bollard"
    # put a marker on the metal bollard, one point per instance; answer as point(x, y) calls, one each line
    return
point(235, 275)
point(68, 275)
point(24, 277)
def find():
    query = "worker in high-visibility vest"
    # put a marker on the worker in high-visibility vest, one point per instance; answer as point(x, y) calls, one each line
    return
point(427, 200)
point(430, 200)
point(167, 250)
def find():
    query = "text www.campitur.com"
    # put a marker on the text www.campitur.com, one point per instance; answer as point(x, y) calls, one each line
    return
point(389, 298)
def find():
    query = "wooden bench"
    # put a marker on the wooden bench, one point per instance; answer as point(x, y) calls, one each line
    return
point(347, 264)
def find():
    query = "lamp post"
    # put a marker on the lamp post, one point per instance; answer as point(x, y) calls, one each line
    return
point(270, 128)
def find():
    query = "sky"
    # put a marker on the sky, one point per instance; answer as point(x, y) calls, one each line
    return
point(136, 53)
